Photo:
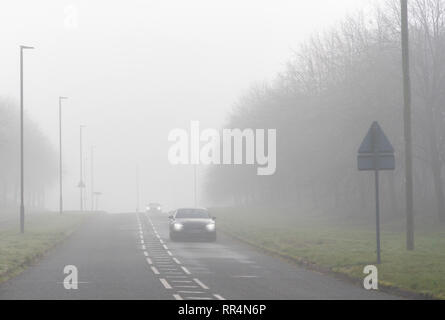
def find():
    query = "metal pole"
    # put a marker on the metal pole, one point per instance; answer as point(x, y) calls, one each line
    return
point(22, 156)
point(60, 155)
point(195, 186)
point(407, 129)
point(137, 189)
point(22, 187)
point(92, 178)
point(81, 172)
point(377, 211)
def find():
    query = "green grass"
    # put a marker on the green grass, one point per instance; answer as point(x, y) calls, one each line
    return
point(346, 246)
point(43, 231)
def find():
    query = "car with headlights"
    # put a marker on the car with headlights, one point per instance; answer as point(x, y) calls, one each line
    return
point(190, 223)
point(153, 207)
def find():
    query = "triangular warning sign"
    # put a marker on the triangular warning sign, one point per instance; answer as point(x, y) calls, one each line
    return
point(376, 141)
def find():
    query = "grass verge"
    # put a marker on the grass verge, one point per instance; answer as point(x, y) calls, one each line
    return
point(43, 232)
point(346, 246)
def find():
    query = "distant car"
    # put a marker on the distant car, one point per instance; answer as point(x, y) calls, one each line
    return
point(189, 223)
point(154, 207)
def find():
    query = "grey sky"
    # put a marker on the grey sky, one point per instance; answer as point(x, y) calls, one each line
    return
point(134, 70)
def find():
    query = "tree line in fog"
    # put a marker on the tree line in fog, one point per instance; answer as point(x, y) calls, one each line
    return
point(323, 103)
point(40, 159)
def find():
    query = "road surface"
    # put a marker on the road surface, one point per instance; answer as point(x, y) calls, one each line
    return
point(129, 256)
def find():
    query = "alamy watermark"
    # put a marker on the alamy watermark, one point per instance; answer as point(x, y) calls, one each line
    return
point(371, 281)
point(229, 147)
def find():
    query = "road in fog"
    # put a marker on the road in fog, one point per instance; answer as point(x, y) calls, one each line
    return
point(129, 256)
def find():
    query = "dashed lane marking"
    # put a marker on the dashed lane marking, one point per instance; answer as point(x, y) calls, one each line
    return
point(185, 270)
point(217, 296)
point(165, 284)
point(155, 271)
point(177, 261)
point(177, 297)
point(202, 285)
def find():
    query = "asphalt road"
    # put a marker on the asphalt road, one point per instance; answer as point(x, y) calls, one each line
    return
point(129, 256)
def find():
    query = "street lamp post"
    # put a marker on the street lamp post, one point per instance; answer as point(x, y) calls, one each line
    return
point(81, 183)
point(22, 180)
point(60, 154)
point(195, 186)
point(407, 128)
point(92, 178)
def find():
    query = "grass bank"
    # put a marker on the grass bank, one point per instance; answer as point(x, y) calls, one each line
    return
point(346, 246)
point(43, 231)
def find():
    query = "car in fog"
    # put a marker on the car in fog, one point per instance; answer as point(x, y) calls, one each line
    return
point(190, 223)
point(154, 207)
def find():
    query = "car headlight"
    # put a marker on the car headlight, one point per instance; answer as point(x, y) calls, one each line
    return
point(177, 226)
point(211, 227)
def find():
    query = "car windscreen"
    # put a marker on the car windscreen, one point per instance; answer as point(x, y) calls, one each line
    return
point(192, 214)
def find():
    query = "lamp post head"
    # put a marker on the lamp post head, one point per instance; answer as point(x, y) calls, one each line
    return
point(25, 47)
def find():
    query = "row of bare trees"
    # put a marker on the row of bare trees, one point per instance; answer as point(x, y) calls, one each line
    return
point(325, 100)
point(40, 166)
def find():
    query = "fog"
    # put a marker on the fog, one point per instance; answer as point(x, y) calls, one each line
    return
point(135, 70)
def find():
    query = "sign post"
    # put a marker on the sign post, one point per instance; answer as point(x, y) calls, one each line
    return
point(376, 153)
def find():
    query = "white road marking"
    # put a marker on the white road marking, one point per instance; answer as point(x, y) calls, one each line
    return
point(198, 298)
point(190, 287)
point(177, 297)
point(146, 253)
point(202, 285)
point(169, 253)
point(149, 261)
point(176, 260)
point(191, 292)
point(176, 277)
point(165, 247)
point(247, 277)
point(182, 281)
point(142, 241)
point(185, 270)
point(143, 247)
point(217, 296)
point(161, 241)
point(165, 284)
point(155, 271)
